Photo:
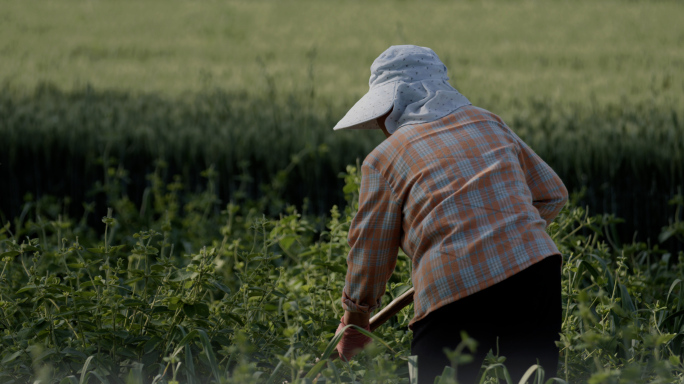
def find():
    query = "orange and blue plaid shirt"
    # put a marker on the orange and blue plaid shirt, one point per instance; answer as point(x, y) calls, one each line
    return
point(464, 197)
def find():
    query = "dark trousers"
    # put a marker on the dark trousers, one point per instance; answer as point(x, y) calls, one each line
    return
point(523, 312)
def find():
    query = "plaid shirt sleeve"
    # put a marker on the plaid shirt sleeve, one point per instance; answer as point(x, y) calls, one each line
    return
point(374, 238)
point(549, 194)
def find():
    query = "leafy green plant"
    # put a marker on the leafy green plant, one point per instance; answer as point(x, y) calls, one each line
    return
point(287, 153)
point(193, 290)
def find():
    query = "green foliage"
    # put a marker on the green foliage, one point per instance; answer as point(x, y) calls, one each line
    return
point(593, 52)
point(623, 305)
point(199, 294)
point(204, 272)
point(283, 149)
point(676, 226)
point(244, 85)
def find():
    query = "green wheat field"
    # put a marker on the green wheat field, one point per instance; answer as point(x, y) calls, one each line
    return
point(174, 204)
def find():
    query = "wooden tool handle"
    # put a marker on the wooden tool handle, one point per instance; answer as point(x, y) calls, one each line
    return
point(385, 314)
point(391, 309)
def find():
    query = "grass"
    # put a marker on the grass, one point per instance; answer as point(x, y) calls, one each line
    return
point(497, 51)
point(594, 87)
point(185, 289)
point(166, 111)
point(629, 159)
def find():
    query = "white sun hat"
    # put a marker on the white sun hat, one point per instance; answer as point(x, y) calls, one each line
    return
point(412, 82)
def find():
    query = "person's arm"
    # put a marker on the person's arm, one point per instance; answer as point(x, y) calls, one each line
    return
point(374, 240)
point(374, 237)
point(549, 194)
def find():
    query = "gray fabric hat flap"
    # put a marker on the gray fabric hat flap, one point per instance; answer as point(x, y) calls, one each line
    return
point(410, 80)
point(372, 105)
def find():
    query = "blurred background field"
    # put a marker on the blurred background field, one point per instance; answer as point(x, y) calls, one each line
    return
point(201, 123)
point(254, 87)
point(585, 51)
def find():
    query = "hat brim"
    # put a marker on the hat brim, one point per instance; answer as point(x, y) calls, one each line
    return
point(363, 114)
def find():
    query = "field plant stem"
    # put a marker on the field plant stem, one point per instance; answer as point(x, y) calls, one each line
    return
point(66, 322)
point(59, 228)
point(164, 244)
point(154, 301)
point(261, 224)
point(6, 323)
point(23, 314)
point(10, 232)
point(616, 281)
point(256, 233)
point(49, 318)
point(80, 330)
point(570, 280)
point(42, 230)
point(90, 276)
point(4, 320)
point(170, 334)
point(23, 264)
point(147, 268)
point(109, 216)
point(329, 255)
point(197, 285)
point(582, 224)
point(236, 243)
point(311, 284)
point(4, 267)
point(264, 296)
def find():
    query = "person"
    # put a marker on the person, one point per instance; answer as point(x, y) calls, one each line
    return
point(468, 201)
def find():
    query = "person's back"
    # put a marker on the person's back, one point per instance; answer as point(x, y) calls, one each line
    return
point(467, 217)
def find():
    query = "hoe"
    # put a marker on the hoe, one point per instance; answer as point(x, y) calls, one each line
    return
point(386, 313)
point(376, 321)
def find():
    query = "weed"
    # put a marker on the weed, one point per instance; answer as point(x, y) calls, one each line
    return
point(200, 294)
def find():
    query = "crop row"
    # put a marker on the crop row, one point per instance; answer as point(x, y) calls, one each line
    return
point(629, 158)
point(186, 289)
